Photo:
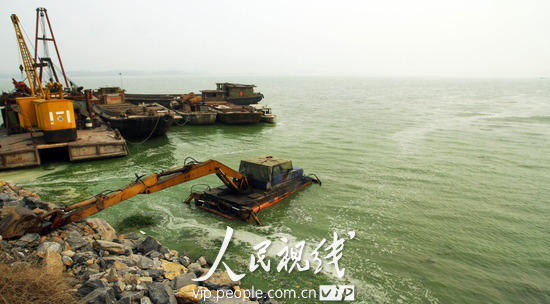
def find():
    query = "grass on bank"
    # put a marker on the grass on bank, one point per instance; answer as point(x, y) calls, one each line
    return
point(135, 221)
point(33, 284)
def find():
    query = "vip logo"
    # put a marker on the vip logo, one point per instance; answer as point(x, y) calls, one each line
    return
point(336, 293)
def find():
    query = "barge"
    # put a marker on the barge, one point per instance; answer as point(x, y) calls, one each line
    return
point(193, 110)
point(235, 93)
point(197, 118)
point(267, 113)
point(133, 122)
point(232, 114)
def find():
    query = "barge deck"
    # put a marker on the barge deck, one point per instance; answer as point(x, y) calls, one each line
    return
point(23, 150)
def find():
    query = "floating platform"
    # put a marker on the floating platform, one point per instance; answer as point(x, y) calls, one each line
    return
point(23, 150)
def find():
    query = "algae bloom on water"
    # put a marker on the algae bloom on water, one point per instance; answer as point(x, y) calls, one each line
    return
point(136, 221)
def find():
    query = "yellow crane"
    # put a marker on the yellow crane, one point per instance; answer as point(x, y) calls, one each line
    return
point(28, 62)
point(47, 110)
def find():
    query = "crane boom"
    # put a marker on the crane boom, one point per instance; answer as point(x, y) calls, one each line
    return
point(28, 61)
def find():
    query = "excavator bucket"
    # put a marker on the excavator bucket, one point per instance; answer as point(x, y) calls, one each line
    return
point(16, 221)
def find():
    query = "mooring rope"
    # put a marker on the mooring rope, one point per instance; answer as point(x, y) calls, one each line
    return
point(186, 120)
point(139, 143)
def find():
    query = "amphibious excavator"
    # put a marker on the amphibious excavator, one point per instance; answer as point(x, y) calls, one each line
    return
point(259, 183)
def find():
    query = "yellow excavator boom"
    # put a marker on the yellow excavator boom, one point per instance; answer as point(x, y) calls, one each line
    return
point(20, 223)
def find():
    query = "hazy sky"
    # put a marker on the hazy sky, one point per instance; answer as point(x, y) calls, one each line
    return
point(466, 38)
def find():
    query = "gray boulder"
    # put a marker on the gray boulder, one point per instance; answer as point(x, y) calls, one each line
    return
point(104, 295)
point(232, 300)
point(92, 285)
point(83, 257)
point(153, 273)
point(5, 197)
point(33, 202)
point(31, 239)
point(220, 280)
point(149, 244)
point(196, 268)
point(204, 261)
point(76, 241)
point(183, 280)
point(164, 250)
point(130, 297)
point(16, 203)
point(145, 263)
point(145, 300)
point(112, 247)
point(5, 246)
point(127, 242)
point(184, 260)
point(160, 293)
point(44, 246)
point(103, 229)
point(132, 236)
point(108, 261)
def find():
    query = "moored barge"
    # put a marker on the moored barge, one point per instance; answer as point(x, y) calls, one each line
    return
point(235, 93)
point(133, 121)
point(232, 114)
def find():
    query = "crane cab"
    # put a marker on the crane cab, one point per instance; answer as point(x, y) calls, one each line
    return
point(55, 117)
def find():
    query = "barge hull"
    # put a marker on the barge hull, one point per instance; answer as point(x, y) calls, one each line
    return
point(239, 117)
point(197, 118)
point(132, 121)
point(244, 101)
point(140, 127)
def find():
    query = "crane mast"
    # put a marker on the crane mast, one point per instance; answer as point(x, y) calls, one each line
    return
point(42, 18)
point(28, 61)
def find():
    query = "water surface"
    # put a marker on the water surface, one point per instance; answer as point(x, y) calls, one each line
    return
point(445, 183)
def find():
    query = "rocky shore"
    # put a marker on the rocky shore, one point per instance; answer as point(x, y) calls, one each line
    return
point(101, 266)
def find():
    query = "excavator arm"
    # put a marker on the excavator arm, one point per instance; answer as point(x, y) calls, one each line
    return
point(143, 185)
point(232, 179)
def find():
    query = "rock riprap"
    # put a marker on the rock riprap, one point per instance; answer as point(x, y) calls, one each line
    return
point(104, 267)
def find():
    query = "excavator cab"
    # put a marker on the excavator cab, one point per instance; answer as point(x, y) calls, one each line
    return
point(267, 171)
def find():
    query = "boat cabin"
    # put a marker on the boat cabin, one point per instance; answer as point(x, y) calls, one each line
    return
point(239, 94)
point(264, 109)
point(236, 90)
point(110, 95)
point(213, 95)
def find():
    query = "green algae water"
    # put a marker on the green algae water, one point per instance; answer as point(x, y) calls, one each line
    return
point(445, 183)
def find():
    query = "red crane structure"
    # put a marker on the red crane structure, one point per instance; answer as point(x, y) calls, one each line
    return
point(42, 20)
